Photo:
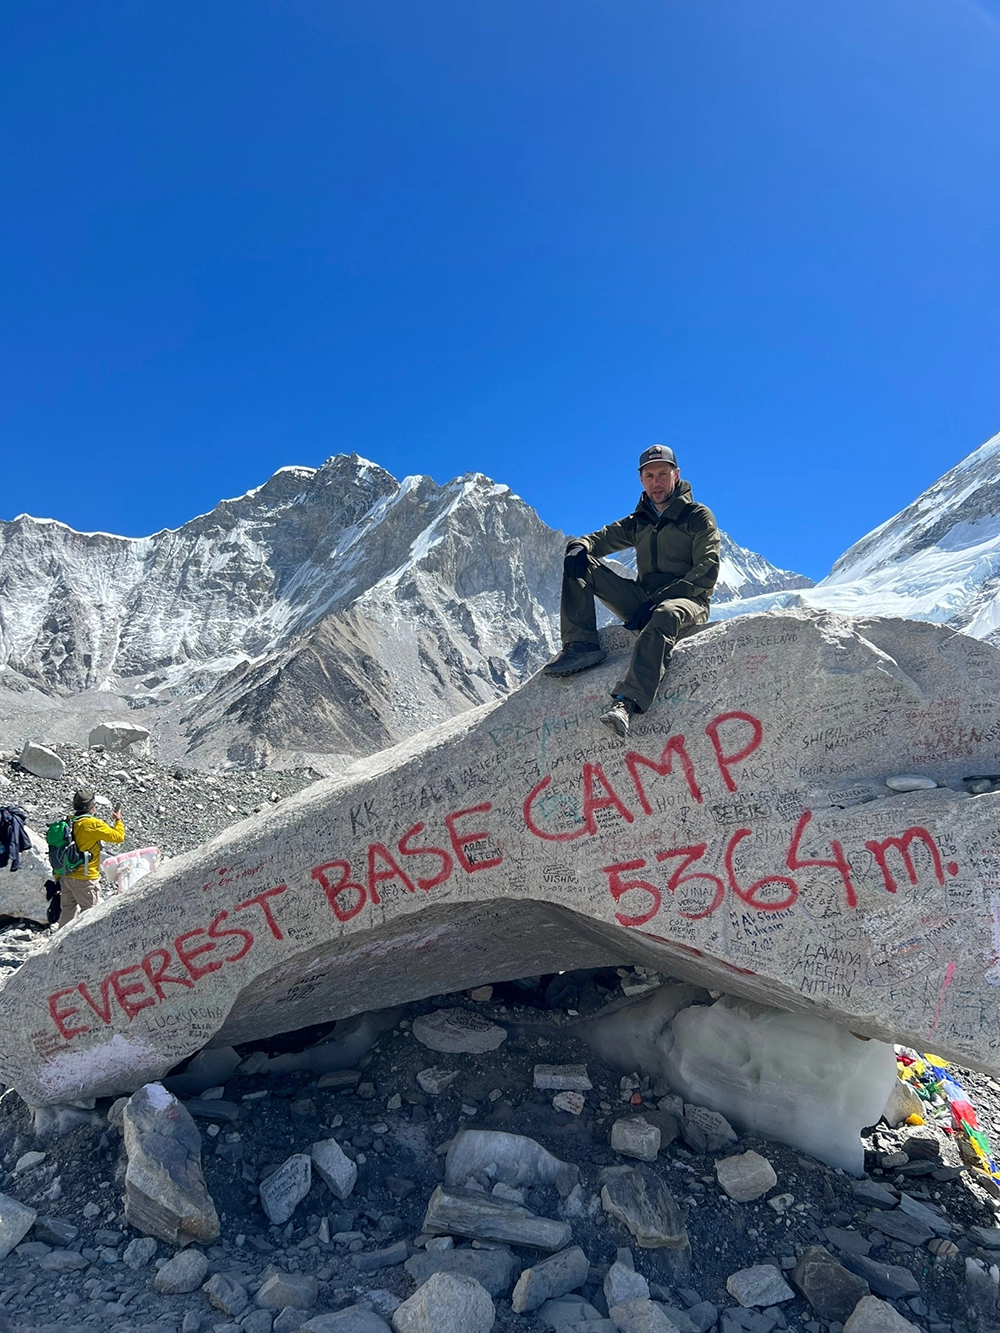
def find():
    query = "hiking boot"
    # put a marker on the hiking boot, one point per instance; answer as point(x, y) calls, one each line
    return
point(575, 657)
point(619, 716)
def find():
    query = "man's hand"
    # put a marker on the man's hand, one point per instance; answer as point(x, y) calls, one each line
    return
point(116, 815)
point(575, 561)
point(638, 620)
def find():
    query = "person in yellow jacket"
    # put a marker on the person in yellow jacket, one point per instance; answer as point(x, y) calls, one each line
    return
point(78, 889)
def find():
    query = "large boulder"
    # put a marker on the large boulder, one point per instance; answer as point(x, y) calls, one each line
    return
point(743, 837)
point(121, 736)
point(22, 891)
point(41, 761)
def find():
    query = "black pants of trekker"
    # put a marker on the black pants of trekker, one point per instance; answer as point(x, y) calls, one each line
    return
point(672, 619)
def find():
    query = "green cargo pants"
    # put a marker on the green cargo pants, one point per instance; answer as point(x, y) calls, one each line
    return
point(672, 619)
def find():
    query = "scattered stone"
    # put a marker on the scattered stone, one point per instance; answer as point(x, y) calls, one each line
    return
point(900, 1226)
point(831, 1289)
point(745, 1176)
point(446, 1303)
point(870, 1192)
point(635, 1137)
point(851, 1241)
point(452, 1211)
point(334, 1167)
point(924, 1213)
point(889, 1280)
point(903, 1102)
point(139, 1252)
point(923, 1144)
point(562, 1078)
point(481, 994)
point(706, 1131)
point(987, 1237)
point(121, 736)
point(283, 1190)
point(185, 1272)
point(910, 782)
point(296, 1291)
point(550, 1279)
point(370, 1261)
point(493, 1269)
point(16, 1220)
point(41, 761)
point(874, 1316)
point(572, 1102)
point(52, 1230)
point(944, 1249)
point(781, 1203)
point(355, 1319)
point(640, 1199)
point(570, 1314)
point(204, 1109)
point(623, 1283)
point(458, 1031)
point(27, 1160)
point(434, 1081)
point(338, 1079)
point(640, 1316)
point(511, 1158)
point(165, 1191)
point(226, 1296)
point(63, 1261)
point(760, 1285)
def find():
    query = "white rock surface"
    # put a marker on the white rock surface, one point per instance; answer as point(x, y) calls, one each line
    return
point(562, 1078)
point(458, 1031)
point(803, 899)
point(633, 1136)
point(334, 1167)
point(434, 1081)
point(746, 1176)
point(283, 1190)
point(118, 736)
point(871, 1315)
point(16, 1220)
point(513, 1159)
point(165, 1191)
point(640, 1316)
point(622, 1283)
point(446, 1303)
point(760, 1285)
point(910, 782)
point(41, 761)
point(22, 892)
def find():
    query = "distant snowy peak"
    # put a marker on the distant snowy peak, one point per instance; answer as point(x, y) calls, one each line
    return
point(744, 573)
point(331, 610)
point(938, 559)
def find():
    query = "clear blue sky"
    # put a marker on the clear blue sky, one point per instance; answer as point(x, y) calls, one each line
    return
point(525, 239)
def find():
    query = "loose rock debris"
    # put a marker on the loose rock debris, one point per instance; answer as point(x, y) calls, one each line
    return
point(358, 1200)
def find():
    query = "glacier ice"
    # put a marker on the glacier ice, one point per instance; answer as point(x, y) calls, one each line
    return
point(792, 1077)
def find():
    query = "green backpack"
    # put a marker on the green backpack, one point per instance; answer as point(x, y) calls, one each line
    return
point(64, 855)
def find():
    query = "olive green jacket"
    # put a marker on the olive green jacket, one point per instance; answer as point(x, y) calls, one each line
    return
point(676, 552)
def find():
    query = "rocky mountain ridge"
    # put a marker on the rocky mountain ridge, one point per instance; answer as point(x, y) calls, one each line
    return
point(325, 614)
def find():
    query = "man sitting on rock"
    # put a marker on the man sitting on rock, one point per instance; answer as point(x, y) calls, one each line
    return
point(78, 888)
point(677, 557)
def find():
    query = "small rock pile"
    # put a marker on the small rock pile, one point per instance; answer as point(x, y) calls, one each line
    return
point(444, 1184)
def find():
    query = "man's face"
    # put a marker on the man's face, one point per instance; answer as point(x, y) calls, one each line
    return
point(658, 481)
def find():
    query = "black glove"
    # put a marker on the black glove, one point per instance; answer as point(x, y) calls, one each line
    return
point(575, 561)
point(641, 618)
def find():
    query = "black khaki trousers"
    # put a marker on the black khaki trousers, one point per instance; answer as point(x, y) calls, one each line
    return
point(671, 620)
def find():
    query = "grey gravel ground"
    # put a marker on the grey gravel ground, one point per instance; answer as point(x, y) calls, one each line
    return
point(395, 1131)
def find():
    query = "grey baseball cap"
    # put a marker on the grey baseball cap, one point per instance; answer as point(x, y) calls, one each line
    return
point(657, 453)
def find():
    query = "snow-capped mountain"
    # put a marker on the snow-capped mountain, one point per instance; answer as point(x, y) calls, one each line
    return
point(938, 559)
point(329, 612)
